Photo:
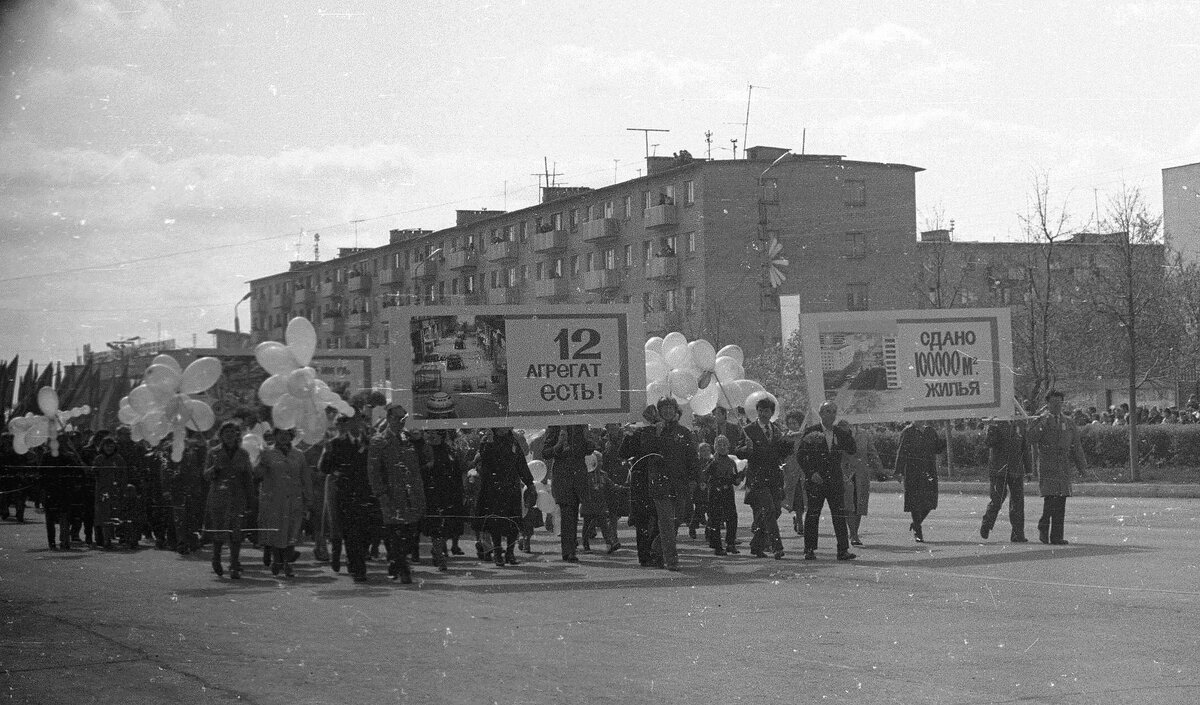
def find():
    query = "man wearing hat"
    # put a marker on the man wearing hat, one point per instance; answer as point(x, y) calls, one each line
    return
point(394, 471)
point(1056, 438)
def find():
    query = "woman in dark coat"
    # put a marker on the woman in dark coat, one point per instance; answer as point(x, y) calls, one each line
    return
point(112, 475)
point(443, 492)
point(916, 467)
point(230, 486)
point(502, 472)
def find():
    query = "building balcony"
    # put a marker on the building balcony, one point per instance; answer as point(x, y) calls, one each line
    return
point(359, 320)
point(501, 251)
point(501, 297)
point(358, 283)
point(426, 270)
point(389, 277)
point(462, 260)
point(556, 288)
point(662, 321)
point(472, 299)
point(663, 216)
point(303, 297)
point(663, 268)
point(331, 290)
point(602, 279)
point(333, 325)
point(547, 242)
point(600, 229)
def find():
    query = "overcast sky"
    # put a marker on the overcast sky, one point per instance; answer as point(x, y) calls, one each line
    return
point(158, 155)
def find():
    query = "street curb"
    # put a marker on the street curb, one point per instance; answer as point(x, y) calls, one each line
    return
point(1079, 489)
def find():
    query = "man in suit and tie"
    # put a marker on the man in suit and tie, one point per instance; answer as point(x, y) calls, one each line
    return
point(819, 454)
point(766, 448)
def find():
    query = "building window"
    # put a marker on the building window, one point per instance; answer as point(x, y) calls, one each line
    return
point(691, 242)
point(856, 297)
point(689, 193)
point(647, 302)
point(608, 209)
point(628, 207)
point(856, 245)
point(470, 284)
point(646, 202)
point(667, 246)
point(523, 229)
point(669, 300)
point(770, 191)
point(539, 271)
point(856, 192)
point(971, 262)
point(590, 261)
point(628, 252)
point(689, 299)
point(558, 269)
point(610, 258)
point(441, 292)
point(524, 273)
point(454, 287)
point(556, 221)
point(512, 276)
point(574, 265)
point(646, 253)
point(495, 278)
point(574, 219)
point(668, 197)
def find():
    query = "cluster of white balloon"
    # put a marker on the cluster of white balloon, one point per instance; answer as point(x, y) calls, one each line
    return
point(699, 377)
point(161, 405)
point(31, 430)
point(296, 397)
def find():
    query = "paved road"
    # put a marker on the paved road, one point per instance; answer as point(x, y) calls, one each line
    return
point(1109, 619)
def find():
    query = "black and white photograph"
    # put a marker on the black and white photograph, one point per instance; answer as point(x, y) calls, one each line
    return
point(356, 351)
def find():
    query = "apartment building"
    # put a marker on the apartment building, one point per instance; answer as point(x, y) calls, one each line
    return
point(689, 242)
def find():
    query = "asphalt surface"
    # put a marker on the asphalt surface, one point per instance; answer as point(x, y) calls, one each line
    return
point(1110, 618)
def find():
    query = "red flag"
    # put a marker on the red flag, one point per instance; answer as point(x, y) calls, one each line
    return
point(8, 384)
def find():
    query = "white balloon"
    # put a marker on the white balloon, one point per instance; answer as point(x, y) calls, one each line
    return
point(47, 400)
point(272, 389)
point(682, 383)
point(20, 447)
point(656, 367)
point(705, 400)
point(672, 341)
point(733, 351)
point(655, 345)
point(143, 400)
point(201, 415)
point(200, 375)
point(127, 415)
point(275, 358)
point(177, 444)
point(301, 339)
point(167, 361)
point(300, 382)
point(679, 356)
point(656, 391)
point(703, 354)
point(286, 412)
point(728, 369)
point(163, 376)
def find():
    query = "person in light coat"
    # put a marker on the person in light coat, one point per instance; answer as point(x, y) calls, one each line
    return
point(856, 478)
point(282, 498)
point(1056, 438)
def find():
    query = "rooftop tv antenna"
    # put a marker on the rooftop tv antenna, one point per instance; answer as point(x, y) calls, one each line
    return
point(356, 222)
point(734, 141)
point(316, 247)
point(646, 131)
point(746, 125)
point(708, 140)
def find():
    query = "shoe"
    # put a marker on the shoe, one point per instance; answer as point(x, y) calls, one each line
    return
point(267, 557)
point(499, 559)
point(360, 578)
point(287, 571)
point(732, 550)
point(393, 570)
point(455, 550)
point(614, 548)
point(293, 556)
point(216, 566)
point(846, 556)
point(778, 554)
point(810, 556)
point(479, 550)
point(275, 568)
point(1019, 539)
point(415, 559)
point(758, 554)
point(235, 574)
point(1061, 542)
point(917, 535)
point(405, 575)
point(855, 542)
point(691, 533)
point(673, 568)
point(571, 558)
point(335, 562)
point(587, 548)
point(719, 551)
point(984, 530)
point(1044, 535)
point(509, 558)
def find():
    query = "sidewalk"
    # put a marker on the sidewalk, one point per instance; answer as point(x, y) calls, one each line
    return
point(1079, 489)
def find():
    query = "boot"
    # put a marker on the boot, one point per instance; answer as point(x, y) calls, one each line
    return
point(335, 557)
point(509, 556)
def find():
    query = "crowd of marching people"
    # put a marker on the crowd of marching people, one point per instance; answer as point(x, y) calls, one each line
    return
point(375, 488)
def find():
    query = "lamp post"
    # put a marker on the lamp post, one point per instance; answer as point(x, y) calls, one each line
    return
point(237, 324)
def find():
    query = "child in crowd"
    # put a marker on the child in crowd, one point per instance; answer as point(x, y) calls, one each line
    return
point(722, 475)
point(699, 499)
point(595, 507)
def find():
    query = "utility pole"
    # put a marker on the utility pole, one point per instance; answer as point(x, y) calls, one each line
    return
point(646, 131)
point(708, 140)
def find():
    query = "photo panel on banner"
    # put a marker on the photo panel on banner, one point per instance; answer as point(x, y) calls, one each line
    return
point(914, 365)
point(517, 366)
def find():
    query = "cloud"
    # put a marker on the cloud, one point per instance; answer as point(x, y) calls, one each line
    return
point(855, 45)
point(598, 65)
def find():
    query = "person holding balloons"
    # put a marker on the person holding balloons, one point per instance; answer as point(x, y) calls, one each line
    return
point(283, 496)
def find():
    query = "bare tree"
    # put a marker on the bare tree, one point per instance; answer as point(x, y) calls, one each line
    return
point(1035, 333)
point(1130, 292)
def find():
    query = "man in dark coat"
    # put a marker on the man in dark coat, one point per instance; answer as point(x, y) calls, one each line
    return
point(1008, 465)
point(635, 447)
point(766, 449)
point(567, 446)
point(394, 471)
point(354, 510)
point(673, 465)
point(819, 455)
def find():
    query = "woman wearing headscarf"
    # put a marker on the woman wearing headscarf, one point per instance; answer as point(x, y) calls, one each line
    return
point(230, 484)
point(282, 497)
point(111, 473)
